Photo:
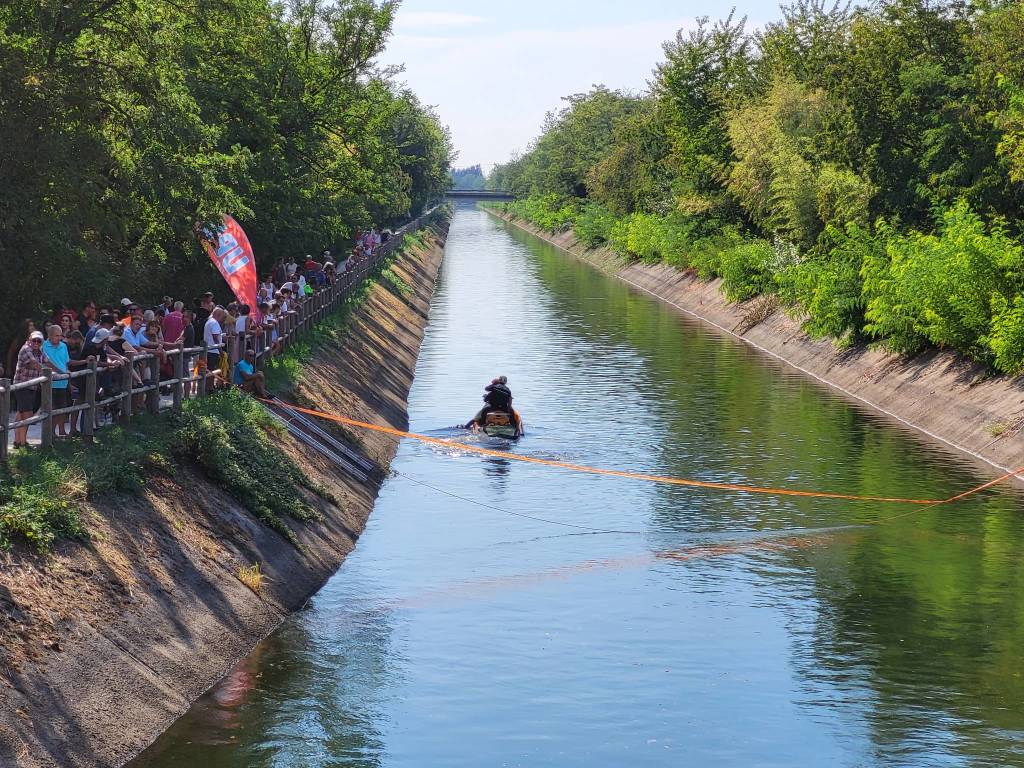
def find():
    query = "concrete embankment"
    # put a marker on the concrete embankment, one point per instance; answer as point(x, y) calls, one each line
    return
point(942, 396)
point(106, 643)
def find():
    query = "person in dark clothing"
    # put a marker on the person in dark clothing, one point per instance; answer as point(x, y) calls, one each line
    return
point(498, 396)
point(497, 399)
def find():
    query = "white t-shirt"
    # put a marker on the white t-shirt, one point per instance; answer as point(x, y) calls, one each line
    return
point(242, 324)
point(212, 332)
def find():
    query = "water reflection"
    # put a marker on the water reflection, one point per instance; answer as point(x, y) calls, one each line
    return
point(731, 629)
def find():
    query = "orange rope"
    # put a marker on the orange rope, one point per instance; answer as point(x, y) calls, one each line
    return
point(639, 475)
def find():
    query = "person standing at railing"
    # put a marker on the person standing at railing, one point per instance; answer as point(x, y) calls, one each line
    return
point(87, 317)
point(245, 327)
point(213, 335)
point(203, 309)
point(266, 292)
point(56, 356)
point(25, 330)
point(28, 367)
point(77, 360)
point(173, 324)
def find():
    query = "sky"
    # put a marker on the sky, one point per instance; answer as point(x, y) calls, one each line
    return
point(493, 70)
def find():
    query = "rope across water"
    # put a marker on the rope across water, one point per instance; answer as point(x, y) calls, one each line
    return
point(582, 468)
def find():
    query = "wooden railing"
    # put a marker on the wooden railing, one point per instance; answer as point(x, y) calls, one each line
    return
point(128, 396)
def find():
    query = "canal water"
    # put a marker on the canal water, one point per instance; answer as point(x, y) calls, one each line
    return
point(481, 622)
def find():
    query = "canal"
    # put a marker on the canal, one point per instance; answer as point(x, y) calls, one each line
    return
point(473, 626)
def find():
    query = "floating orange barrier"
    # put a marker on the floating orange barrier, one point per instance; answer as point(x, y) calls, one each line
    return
point(640, 475)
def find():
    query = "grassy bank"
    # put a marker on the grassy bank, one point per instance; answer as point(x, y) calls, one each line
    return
point(230, 437)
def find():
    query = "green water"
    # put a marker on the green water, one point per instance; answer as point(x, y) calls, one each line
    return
point(722, 629)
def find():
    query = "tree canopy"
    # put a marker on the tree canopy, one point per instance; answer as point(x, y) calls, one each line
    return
point(124, 124)
point(471, 178)
point(864, 164)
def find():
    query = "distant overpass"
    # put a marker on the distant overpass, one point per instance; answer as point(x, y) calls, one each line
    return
point(480, 194)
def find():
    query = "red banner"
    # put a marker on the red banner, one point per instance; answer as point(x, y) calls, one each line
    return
point(235, 260)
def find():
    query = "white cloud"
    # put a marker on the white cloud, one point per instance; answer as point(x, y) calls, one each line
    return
point(435, 20)
point(493, 90)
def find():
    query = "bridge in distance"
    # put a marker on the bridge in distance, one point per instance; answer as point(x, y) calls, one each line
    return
point(479, 194)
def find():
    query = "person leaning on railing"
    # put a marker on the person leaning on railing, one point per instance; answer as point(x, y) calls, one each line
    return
point(28, 367)
point(56, 357)
point(77, 361)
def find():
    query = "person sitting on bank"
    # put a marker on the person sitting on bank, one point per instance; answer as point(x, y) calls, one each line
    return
point(248, 379)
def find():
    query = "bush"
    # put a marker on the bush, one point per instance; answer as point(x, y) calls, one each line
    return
point(38, 506)
point(705, 253)
point(748, 269)
point(652, 239)
point(548, 212)
point(227, 435)
point(828, 283)
point(942, 288)
point(1006, 341)
point(594, 225)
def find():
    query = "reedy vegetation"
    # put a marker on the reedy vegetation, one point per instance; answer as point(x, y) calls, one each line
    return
point(124, 123)
point(864, 165)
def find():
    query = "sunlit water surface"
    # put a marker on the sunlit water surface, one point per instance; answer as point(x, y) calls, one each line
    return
point(724, 630)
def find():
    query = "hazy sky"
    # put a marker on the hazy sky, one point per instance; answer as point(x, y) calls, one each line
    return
point(492, 70)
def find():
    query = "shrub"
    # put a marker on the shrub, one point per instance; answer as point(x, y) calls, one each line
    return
point(942, 288)
point(618, 237)
point(547, 212)
point(1006, 341)
point(227, 436)
point(38, 505)
point(748, 269)
point(828, 284)
point(705, 253)
point(594, 224)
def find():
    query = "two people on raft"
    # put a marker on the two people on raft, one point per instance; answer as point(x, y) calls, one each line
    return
point(497, 410)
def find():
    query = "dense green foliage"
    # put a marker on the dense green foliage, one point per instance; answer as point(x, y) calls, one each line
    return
point(229, 436)
point(468, 178)
point(865, 165)
point(124, 124)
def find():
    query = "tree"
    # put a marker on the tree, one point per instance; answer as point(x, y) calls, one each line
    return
point(471, 178)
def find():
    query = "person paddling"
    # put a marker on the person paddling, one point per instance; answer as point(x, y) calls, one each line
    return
point(497, 400)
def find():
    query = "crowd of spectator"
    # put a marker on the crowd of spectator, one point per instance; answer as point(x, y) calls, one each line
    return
point(71, 339)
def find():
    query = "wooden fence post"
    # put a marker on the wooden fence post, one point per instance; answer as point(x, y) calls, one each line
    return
point(203, 371)
point(178, 391)
point(153, 396)
point(89, 414)
point(46, 406)
point(126, 388)
point(5, 417)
